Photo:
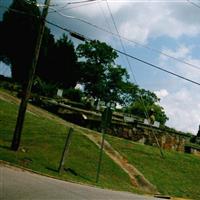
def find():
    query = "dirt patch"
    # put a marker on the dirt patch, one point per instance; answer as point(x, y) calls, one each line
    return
point(137, 178)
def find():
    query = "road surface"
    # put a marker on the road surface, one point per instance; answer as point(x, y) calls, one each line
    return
point(17, 184)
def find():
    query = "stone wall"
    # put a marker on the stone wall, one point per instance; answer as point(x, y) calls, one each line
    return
point(146, 134)
point(135, 130)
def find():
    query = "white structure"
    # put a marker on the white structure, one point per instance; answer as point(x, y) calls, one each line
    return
point(60, 93)
point(155, 124)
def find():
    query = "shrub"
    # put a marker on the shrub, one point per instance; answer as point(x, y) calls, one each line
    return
point(73, 94)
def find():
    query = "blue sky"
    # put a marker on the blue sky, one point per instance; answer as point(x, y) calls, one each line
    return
point(172, 27)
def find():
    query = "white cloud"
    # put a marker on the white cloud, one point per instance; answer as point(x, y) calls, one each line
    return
point(181, 52)
point(182, 102)
point(161, 93)
point(182, 108)
point(160, 19)
point(138, 20)
point(185, 54)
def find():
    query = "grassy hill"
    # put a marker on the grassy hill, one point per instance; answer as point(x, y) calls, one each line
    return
point(41, 147)
point(43, 141)
point(178, 174)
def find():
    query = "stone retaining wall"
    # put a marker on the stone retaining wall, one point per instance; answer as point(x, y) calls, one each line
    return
point(136, 130)
point(150, 135)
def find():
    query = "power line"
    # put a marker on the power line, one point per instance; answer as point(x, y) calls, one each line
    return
point(116, 35)
point(160, 68)
point(78, 2)
point(16, 138)
point(141, 98)
point(85, 2)
point(66, 29)
point(129, 40)
point(194, 4)
point(103, 136)
point(65, 7)
point(69, 8)
point(123, 47)
point(15, 143)
point(135, 58)
point(114, 39)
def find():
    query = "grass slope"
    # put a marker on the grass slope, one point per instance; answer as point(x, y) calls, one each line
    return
point(178, 174)
point(43, 141)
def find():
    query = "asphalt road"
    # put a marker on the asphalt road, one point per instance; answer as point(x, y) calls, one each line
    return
point(17, 184)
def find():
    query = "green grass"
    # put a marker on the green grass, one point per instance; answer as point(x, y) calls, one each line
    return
point(178, 174)
point(43, 141)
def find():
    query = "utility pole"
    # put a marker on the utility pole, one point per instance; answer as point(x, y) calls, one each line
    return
point(27, 91)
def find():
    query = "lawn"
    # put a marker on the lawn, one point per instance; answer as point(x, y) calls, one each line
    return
point(42, 143)
point(178, 174)
point(41, 147)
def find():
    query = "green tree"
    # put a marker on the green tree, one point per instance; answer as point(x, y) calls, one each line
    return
point(116, 78)
point(61, 66)
point(142, 102)
point(160, 114)
point(19, 31)
point(129, 93)
point(2, 46)
point(102, 78)
point(19, 37)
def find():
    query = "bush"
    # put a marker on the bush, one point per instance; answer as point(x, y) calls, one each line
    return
point(73, 94)
point(43, 88)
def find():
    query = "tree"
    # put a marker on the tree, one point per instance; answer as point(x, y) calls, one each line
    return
point(116, 78)
point(2, 46)
point(102, 78)
point(19, 34)
point(129, 93)
point(160, 115)
point(61, 65)
point(19, 37)
point(57, 63)
point(142, 102)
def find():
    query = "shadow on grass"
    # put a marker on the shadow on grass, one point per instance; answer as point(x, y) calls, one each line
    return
point(5, 147)
point(70, 171)
point(73, 172)
point(51, 169)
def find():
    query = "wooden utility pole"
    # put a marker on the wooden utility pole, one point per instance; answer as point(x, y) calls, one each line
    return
point(27, 91)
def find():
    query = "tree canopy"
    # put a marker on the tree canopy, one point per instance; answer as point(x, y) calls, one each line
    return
point(60, 66)
point(105, 80)
point(142, 101)
point(102, 78)
point(92, 64)
point(19, 32)
point(57, 63)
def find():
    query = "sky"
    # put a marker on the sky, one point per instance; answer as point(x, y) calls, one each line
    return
point(159, 27)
